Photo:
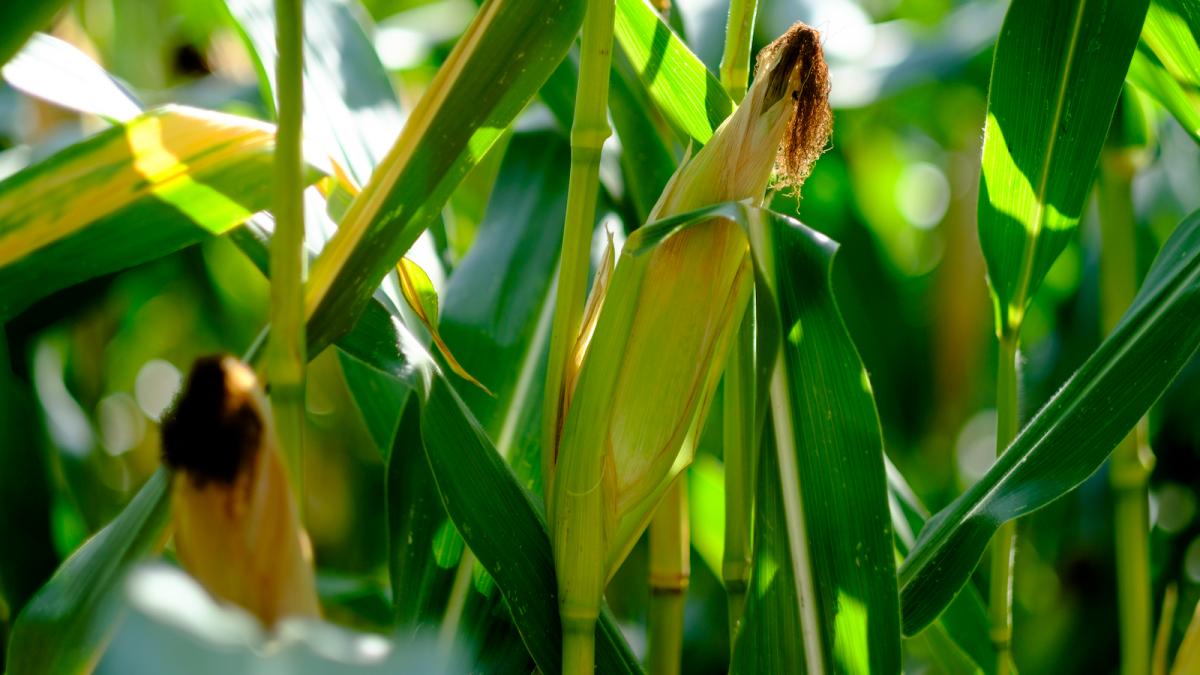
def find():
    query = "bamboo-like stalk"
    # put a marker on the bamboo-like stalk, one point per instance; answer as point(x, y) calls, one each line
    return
point(588, 133)
point(735, 61)
point(738, 441)
point(1008, 422)
point(286, 349)
point(1132, 460)
point(670, 572)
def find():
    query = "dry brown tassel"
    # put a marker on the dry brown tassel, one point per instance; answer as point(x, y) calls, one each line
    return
point(237, 528)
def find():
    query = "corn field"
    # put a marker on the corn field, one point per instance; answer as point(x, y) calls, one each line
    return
point(600, 336)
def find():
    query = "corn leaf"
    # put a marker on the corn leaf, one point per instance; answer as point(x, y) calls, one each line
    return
point(67, 623)
point(504, 525)
point(964, 626)
point(821, 480)
point(350, 108)
point(18, 20)
point(1147, 73)
point(499, 301)
point(1056, 77)
point(507, 53)
point(25, 490)
point(1072, 434)
point(1166, 64)
point(58, 72)
point(421, 296)
point(677, 81)
point(165, 179)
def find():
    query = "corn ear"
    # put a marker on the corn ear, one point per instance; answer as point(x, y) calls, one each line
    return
point(237, 527)
point(652, 358)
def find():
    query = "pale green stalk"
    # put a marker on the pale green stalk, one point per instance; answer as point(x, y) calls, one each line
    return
point(1008, 423)
point(739, 406)
point(735, 61)
point(588, 133)
point(670, 572)
point(286, 350)
point(1132, 459)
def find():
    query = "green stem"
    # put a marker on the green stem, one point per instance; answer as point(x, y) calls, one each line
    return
point(580, 584)
point(588, 132)
point(1004, 543)
point(579, 645)
point(286, 353)
point(739, 407)
point(670, 571)
point(735, 61)
point(1132, 460)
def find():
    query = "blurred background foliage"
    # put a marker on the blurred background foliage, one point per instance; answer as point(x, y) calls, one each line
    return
point(87, 373)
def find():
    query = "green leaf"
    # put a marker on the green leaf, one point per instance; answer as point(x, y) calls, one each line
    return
point(504, 525)
point(822, 492)
point(1072, 434)
point(25, 490)
point(495, 316)
point(67, 623)
point(498, 304)
point(166, 179)
point(645, 156)
point(1147, 72)
point(1166, 64)
point(1171, 32)
point(506, 54)
point(58, 72)
point(1056, 77)
point(18, 20)
point(350, 108)
point(506, 530)
point(677, 81)
point(965, 623)
point(420, 585)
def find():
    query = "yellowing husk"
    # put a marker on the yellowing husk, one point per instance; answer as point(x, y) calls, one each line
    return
point(237, 529)
point(654, 354)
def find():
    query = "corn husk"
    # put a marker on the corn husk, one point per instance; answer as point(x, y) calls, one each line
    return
point(237, 527)
point(651, 359)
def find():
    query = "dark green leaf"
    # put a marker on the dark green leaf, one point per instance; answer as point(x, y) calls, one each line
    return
point(1072, 434)
point(965, 622)
point(832, 514)
point(1055, 81)
point(66, 624)
point(18, 20)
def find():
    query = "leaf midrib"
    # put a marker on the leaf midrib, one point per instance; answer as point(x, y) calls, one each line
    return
point(1031, 242)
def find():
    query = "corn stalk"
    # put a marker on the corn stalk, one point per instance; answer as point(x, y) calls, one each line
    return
point(588, 133)
point(286, 350)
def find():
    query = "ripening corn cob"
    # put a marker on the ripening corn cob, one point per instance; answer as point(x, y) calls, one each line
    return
point(657, 331)
point(237, 529)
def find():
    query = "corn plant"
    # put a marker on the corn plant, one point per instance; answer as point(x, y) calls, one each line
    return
point(521, 341)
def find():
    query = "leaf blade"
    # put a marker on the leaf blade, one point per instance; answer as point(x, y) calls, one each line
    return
point(1069, 60)
point(1072, 434)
